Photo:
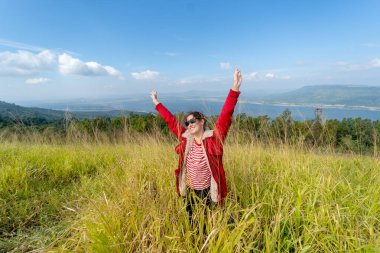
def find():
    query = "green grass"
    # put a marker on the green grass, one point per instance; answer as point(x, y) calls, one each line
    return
point(121, 198)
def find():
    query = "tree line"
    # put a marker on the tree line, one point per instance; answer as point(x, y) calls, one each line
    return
point(348, 135)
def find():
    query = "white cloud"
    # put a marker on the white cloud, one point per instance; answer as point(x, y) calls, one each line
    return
point(375, 63)
point(251, 76)
point(145, 75)
point(265, 77)
point(269, 76)
point(347, 66)
point(185, 81)
point(22, 62)
point(25, 63)
point(69, 65)
point(225, 65)
point(37, 80)
point(342, 65)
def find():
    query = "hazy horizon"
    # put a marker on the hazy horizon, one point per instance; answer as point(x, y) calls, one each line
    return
point(166, 95)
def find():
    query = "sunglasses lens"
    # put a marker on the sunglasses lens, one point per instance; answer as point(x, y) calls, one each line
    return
point(192, 121)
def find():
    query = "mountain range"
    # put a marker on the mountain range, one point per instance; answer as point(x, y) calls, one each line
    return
point(348, 95)
point(339, 95)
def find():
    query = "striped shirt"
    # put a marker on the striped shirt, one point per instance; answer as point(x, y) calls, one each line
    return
point(198, 175)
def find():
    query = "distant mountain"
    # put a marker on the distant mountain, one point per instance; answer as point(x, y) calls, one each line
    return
point(16, 112)
point(8, 110)
point(348, 95)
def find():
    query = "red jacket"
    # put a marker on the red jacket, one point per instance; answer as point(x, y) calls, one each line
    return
point(212, 146)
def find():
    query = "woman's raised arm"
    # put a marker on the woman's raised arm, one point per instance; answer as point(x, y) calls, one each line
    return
point(225, 118)
point(173, 124)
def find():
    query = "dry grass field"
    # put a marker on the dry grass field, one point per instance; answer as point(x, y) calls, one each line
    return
point(121, 198)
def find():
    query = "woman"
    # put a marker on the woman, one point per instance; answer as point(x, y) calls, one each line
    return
point(200, 168)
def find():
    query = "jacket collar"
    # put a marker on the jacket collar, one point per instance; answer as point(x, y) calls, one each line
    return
point(206, 134)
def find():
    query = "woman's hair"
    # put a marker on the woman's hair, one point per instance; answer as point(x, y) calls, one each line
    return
point(197, 115)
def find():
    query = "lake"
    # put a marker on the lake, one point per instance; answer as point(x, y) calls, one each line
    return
point(213, 108)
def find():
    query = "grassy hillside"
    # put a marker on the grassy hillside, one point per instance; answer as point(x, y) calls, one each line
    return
point(12, 111)
point(19, 113)
point(121, 198)
point(332, 94)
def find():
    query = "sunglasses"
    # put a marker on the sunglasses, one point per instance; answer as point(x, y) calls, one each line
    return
point(192, 121)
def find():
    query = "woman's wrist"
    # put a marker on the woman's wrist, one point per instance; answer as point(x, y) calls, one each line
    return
point(235, 87)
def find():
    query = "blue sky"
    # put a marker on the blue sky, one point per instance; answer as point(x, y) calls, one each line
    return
point(89, 49)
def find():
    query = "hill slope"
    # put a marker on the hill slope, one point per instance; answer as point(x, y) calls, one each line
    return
point(8, 110)
point(13, 111)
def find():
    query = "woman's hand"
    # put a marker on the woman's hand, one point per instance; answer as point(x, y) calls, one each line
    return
point(237, 80)
point(153, 95)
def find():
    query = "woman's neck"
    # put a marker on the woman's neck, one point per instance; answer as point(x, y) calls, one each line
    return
point(198, 136)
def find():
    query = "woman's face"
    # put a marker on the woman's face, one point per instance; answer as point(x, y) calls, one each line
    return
point(195, 125)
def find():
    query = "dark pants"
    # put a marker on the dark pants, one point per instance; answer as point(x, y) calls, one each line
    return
point(197, 198)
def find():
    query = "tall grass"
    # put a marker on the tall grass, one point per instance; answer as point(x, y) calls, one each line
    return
point(94, 197)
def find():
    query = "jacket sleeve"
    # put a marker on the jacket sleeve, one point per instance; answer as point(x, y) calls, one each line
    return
point(170, 120)
point(225, 118)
